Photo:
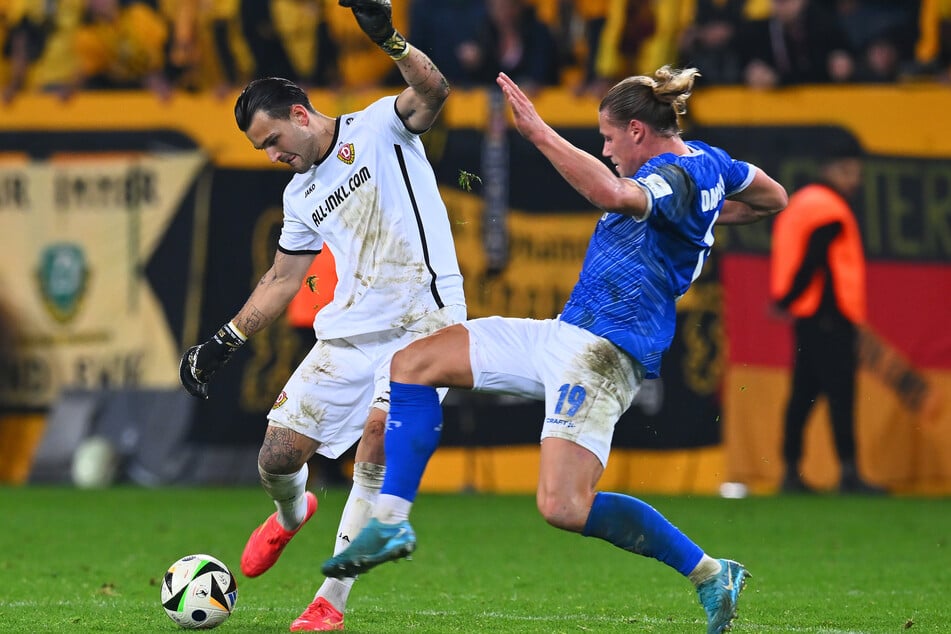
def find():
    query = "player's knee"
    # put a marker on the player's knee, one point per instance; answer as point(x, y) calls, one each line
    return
point(373, 433)
point(277, 464)
point(561, 511)
point(280, 454)
point(409, 366)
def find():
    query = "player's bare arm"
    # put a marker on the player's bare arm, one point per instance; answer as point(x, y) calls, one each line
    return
point(428, 89)
point(586, 173)
point(421, 102)
point(763, 198)
point(268, 300)
point(273, 293)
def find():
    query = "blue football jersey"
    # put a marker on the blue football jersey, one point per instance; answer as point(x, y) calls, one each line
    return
point(635, 270)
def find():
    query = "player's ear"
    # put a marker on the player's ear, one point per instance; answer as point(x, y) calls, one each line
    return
point(299, 114)
point(636, 129)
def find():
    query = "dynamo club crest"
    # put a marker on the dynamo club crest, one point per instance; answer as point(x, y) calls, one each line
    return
point(63, 276)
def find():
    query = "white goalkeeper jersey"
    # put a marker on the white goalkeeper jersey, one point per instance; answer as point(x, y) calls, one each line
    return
point(373, 200)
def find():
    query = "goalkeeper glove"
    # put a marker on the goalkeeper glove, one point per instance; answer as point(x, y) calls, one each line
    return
point(200, 362)
point(375, 17)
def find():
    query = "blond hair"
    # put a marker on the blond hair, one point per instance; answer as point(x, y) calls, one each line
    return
point(659, 101)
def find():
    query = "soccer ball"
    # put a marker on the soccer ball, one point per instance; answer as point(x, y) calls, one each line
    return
point(199, 592)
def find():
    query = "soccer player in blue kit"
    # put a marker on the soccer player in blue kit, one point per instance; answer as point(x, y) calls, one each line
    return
point(588, 363)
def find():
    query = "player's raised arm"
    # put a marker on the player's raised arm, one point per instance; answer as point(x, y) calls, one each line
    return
point(585, 172)
point(428, 89)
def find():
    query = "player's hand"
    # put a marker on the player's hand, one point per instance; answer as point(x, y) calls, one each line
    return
point(200, 362)
point(375, 17)
point(524, 116)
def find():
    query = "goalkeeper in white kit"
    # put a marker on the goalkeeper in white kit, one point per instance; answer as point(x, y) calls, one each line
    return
point(364, 188)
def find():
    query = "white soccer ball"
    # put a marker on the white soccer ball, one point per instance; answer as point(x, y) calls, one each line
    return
point(95, 463)
point(199, 592)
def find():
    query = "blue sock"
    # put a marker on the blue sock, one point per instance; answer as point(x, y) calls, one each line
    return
point(636, 526)
point(413, 429)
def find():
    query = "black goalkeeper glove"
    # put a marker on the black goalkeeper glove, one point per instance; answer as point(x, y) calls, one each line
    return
point(375, 17)
point(200, 362)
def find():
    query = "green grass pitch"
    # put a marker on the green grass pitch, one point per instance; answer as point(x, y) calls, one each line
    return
point(92, 561)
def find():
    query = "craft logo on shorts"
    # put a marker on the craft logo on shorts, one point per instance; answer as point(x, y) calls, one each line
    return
point(63, 277)
point(281, 399)
point(346, 153)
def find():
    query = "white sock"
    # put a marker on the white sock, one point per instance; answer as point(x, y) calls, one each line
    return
point(707, 569)
point(287, 491)
point(367, 480)
point(391, 509)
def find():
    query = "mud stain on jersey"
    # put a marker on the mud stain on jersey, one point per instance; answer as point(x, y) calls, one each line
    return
point(386, 264)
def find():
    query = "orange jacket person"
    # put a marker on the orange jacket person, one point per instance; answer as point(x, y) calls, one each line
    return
point(818, 277)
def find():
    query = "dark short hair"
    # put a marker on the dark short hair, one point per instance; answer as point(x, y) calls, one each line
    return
point(273, 95)
point(841, 147)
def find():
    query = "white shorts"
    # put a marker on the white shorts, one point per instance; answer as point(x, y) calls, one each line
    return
point(331, 392)
point(585, 380)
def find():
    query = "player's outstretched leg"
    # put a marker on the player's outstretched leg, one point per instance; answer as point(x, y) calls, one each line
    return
point(719, 595)
point(377, 543)
point(267, 542)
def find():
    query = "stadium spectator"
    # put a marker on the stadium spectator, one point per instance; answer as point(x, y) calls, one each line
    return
point(588, 364)
point(121, 46)
point(627, 27)
point(636, 36)
point(438, 27)
point(39, 50)
point(709, 42)
point(23, 43)
point(281, 38)
point(818, 278)
point(882, 35)
point(512, 40)
point(360, 63)
point(880, 62)
point(231, 58)
point(363, 186)
point(291, 39)
point(800, 43)
point(194, 61)
point(264, 40)
point(593, 15)
point(933, 46)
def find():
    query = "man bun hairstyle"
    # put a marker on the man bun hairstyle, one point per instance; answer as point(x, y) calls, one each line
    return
point(659, 101)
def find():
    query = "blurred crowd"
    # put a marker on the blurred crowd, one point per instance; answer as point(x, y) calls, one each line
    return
point(62, 46)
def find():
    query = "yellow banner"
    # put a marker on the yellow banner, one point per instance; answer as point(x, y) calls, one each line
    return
point(77, 236)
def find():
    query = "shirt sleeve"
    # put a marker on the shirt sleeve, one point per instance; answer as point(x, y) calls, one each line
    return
point(297, 237)
point(668, 186)
point(738, 176)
